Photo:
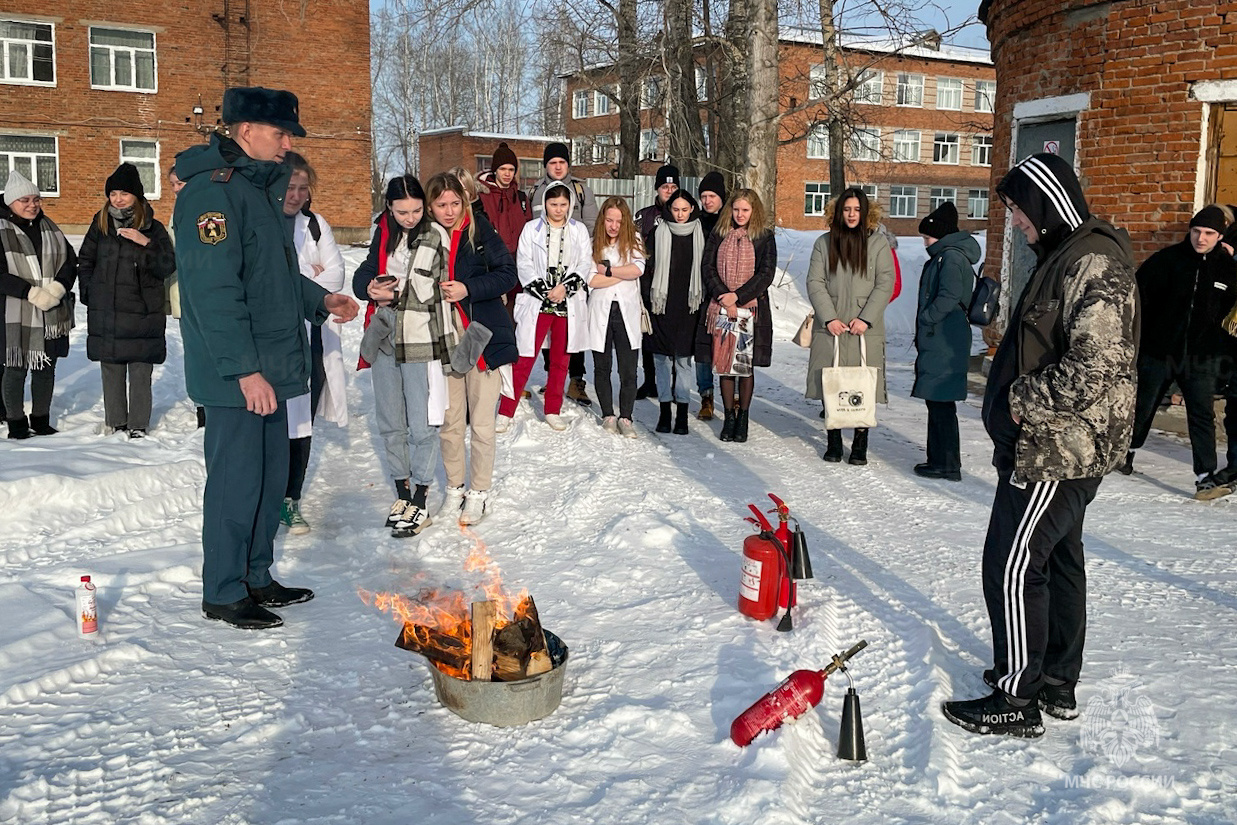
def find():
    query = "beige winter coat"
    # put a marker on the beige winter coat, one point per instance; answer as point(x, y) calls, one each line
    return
point(845, 295)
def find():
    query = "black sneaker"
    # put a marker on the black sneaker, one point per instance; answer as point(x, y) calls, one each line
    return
point(928, 471)
point(245, 614)
point(1209, 488)
point(1058, 701)
point(994, 714)
point(1127, 469)
point(276, 595)
point(1227, 476)
point(411, 522)
point(1055, 700)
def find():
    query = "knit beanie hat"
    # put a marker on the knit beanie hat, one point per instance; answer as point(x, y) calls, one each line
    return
point(1210, 217)
point(713, 182)
point(503, 156)
point(943, 221)
point(17, 186)
point(555, 150)
point(667, 174)
point(126, 179)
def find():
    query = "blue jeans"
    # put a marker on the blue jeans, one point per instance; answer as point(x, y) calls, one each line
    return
point(682, 366)
point(704, 379)
point(401, 404)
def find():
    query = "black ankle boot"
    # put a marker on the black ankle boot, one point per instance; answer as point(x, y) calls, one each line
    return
point(740, 426)
point(201, 417)
point(728, 426)
point(680, 419)
point(19, 427)
point(42, 425)
point(663, 422)
point(859, 447)
point(833, 450)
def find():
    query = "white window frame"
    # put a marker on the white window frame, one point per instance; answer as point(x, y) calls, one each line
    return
point(956, 92)
point(818, 142)
point(871, 190)
point(952, 148)
point(868, 139)
point(701, 78)
point(870, 89)
point(974, 197)
point(33, 157)
point(152, 192)
point(651, 92)
point(650, 142)
point(603, 149)
point(913, 83)
point(938, 195)
point(132, 54)
point(985, 92)
point(30, 46)
point(601, 103)
point(819, 196)
point(900, 196)
point(981, 145)
point(901, 139)
point(581, 153)
point(578, 97)
point(817, 87)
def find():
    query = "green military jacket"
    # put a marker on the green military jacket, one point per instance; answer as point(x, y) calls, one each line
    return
point(243, 299)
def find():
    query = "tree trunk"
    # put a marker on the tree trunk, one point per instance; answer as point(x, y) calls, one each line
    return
point(629, 91)
point(836, 123)
point(683, 103)
point(732, 142)
point(762, 103)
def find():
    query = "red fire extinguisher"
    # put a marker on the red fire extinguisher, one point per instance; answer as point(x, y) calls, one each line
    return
point(788, 595)
point(765, 568)
point(799, 693)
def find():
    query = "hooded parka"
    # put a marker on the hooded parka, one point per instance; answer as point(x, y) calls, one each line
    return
point(942, 332)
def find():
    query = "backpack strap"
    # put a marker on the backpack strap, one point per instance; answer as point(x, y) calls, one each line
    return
point(222, 175)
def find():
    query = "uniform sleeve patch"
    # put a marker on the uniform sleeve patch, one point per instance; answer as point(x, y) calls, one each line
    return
point(212, 228)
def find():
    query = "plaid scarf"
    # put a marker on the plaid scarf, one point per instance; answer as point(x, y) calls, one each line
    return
point(736, 265)
point(424, 332)
point(26, 327)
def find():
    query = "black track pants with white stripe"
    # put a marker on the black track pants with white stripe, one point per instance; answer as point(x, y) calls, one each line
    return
point(1035, 584)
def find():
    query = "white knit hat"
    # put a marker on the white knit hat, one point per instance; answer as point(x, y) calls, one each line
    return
point(18, 187)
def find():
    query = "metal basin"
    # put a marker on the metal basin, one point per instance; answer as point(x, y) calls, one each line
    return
point(506, 704)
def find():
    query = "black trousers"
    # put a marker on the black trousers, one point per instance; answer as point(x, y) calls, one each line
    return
point(13, 390)
point(628, 358)
point(575, 367)
point(1035, 583)
point(944, 444)
point(1197, 379)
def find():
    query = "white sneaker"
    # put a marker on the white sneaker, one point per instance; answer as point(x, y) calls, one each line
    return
point(397, 510)
point(610, 424)
point(502, 423)
point(474, 506)
point(412, 522)
point(626, 428)
point(451, 505)
point(556, 422)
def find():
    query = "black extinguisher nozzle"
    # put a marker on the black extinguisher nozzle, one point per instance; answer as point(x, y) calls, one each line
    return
point(801, 564)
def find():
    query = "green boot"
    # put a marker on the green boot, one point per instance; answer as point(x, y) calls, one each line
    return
point(291, 517)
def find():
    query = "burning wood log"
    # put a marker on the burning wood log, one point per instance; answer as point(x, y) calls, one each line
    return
point(520, 648)
point(438, 647)
point(484, 616)
point(538, 651)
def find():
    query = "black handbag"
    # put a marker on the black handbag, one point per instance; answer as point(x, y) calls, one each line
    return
point(985, 300)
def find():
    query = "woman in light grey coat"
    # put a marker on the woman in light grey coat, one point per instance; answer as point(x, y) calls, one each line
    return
point(849, 282)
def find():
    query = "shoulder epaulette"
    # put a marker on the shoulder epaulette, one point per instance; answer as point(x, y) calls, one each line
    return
point(222, 175)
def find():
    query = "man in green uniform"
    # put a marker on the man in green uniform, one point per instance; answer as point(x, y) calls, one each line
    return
point(244, 304)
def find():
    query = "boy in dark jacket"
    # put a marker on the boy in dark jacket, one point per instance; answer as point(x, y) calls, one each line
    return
point(1059, 408)
point(1186, 290)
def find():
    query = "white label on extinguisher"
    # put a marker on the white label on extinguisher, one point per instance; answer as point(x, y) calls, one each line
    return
point(749, 580)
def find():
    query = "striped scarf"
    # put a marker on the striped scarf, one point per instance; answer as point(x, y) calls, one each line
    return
point(661, 264)
point(26, 327)
point(424, 332)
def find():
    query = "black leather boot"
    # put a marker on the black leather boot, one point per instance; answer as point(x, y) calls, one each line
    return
point(680, 419)
point(728, 426)
point(42, 425)
point(859, 447)
point(663, 422)
point(833, 449)
point(19, 427)
point(740, 426)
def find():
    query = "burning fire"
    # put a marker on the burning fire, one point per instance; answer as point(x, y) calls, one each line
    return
point(441, 621)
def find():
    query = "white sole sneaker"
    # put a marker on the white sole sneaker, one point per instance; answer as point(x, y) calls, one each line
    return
point(555, 422)
point(475, 507)
point(610, 424)
point(627, 429)
point(502, 423)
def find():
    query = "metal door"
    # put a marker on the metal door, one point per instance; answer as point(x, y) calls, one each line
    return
point(1057, 137)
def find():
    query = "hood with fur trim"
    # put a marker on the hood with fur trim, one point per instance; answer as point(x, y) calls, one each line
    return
point(875, 215)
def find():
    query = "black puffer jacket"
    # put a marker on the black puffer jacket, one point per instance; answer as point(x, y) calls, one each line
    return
point(1185, 295)
point(122, 286)
point(486, 267)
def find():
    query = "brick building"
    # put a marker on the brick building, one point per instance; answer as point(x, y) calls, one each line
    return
point(1141, 95)
point(85, 85)
point(442, 149)
point(924, 131)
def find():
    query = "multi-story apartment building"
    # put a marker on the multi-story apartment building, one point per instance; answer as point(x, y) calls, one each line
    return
point(920, 129)
point(88, 84)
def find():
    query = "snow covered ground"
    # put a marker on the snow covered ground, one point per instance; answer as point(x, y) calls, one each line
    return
point(631, 549)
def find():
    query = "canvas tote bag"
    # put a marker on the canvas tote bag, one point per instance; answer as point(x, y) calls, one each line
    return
point(849, 392)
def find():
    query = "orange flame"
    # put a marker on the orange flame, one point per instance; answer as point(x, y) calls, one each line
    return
point(449, 614)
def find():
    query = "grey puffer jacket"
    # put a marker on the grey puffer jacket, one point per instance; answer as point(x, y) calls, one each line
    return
point(1067, 367)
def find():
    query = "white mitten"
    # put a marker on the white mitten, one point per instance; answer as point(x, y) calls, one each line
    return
point(42, 298)
point(56, 289)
